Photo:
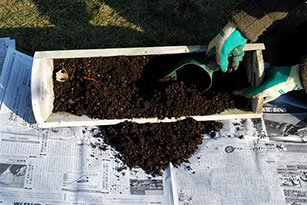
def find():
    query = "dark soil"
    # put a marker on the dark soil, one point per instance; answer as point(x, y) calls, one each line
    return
point(153, 146)
point(128, 87)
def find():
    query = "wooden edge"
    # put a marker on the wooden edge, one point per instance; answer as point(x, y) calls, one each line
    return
point(258, 65)
point(42, 95)
point(254, 46)
point(133, 51)
point(144, 120)
point(257, 105)
point(140, 51)
point(119, 51)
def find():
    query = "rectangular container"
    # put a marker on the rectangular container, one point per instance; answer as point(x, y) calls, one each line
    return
point(43, 95)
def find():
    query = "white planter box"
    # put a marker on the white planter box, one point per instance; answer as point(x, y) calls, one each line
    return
point(43, 95)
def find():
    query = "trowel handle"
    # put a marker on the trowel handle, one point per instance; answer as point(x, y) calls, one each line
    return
point(237, 51)
point(211, 63)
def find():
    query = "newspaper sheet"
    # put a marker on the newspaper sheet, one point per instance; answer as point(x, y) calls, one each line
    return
point(229, 169)
point(269, 108)
point(61, 167)
point(16, 113)
point(291, 169)
point(5, 43)
point(237, 172)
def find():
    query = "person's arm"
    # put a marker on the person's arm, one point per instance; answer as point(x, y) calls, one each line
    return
point(253, 17)
point(280, 80)
point(248, 21)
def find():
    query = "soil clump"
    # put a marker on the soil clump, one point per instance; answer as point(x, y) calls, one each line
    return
point(153, 146)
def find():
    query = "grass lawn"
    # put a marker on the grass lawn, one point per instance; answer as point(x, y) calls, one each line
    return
point(74, 24)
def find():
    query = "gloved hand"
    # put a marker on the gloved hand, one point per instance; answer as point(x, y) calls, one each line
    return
point(277, 81)
point(222, 45)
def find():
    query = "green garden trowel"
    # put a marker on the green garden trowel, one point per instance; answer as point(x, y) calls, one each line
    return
point(196, 70)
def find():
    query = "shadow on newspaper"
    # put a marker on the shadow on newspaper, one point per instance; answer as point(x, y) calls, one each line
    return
point(288, 127)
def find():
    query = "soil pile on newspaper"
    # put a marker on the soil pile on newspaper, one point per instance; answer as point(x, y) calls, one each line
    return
point(153, 146)
point(128, 87)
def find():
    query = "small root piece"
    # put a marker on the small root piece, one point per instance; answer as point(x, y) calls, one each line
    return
point(87, 78)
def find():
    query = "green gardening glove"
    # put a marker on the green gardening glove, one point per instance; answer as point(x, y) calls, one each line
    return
point(277, 81)
point(228, 39)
